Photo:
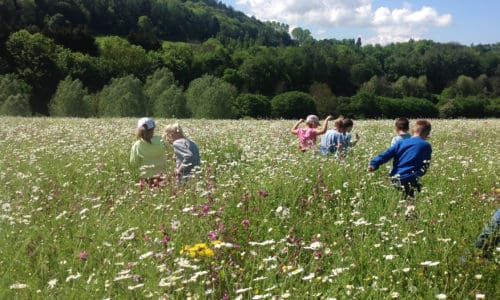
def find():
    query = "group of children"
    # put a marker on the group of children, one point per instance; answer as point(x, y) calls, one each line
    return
point(337, 140)
point(147, 154)
point(410, 154)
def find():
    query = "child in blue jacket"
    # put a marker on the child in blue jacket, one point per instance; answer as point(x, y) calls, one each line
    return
point(410, 159)
point(490, 237)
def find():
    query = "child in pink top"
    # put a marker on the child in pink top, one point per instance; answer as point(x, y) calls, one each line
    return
point(307, 136)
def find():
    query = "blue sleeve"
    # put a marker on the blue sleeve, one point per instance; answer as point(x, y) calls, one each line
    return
point(490, 232)
point(383, 157)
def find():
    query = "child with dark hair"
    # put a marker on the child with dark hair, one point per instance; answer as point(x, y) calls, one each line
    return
point(410, 159)
point(348, 142)
point(402, 126)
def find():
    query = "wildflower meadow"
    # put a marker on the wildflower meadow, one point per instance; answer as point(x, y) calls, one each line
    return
point(261, 221)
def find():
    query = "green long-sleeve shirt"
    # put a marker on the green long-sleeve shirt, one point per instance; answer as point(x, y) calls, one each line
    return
point(148, 159)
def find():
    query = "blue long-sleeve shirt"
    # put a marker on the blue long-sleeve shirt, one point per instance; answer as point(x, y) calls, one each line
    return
point(410, 158)
point(491, 232)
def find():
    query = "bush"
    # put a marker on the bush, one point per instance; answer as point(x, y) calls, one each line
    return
point(344, 107)
point(252, 105)
point(211, 97)
point(14, 96)
point(409, 107)
point(16, 105)
point(123, 97)
point(70, 100)
point(469, 107)
point(292, 105)
point(171, 103)
point(165, 96)
point(370, 106)
point(364, 105)
point(493, 108)
point(324, 99)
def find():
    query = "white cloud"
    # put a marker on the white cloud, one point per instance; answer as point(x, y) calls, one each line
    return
point(388, 25)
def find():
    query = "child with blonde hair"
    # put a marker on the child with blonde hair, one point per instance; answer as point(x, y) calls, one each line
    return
point(187, 155)
point(307, 136)
point(147, 155)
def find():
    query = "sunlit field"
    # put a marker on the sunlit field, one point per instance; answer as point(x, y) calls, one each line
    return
point(262, 221)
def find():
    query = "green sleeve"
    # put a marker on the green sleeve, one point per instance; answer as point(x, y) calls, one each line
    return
point(135, 158)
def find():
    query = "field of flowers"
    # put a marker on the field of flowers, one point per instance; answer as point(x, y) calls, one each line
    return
point(263, 221)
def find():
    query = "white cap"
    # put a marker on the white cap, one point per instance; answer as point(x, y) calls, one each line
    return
point(149, 123)
point(312, 119)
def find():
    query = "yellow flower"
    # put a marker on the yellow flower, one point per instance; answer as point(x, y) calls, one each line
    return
point(207, 252)
point(192, 253)
point(184, 249)
point(200, 249)
point(216, 242)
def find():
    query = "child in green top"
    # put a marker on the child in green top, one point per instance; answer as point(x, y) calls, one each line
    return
point(147, 154)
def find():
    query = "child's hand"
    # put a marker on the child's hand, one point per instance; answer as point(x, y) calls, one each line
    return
point(301, 120)
point(178, 171)
point(330, 117)
point(371, 169)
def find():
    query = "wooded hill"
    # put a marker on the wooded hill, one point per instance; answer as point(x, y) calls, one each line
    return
point(177, 58)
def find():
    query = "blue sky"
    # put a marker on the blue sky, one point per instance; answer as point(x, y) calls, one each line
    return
point(384, 21)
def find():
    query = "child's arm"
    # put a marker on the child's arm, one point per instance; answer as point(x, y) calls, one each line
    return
point(294, 128)
point(182, 149)
point(340, 150)
point(353, 143)
point(382, 158)
point(325, 126)
point(340, 147)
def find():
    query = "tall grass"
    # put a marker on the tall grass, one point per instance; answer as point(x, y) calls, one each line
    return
point(263, 221)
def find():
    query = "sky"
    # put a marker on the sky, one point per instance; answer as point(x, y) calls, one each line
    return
point(384, 21)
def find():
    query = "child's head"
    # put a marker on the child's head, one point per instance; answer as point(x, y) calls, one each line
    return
point(339, 124)
point(422, 128)
point(312, 121)
point(348, 124)
point(172, 132)
point(402, 124)
point(145, 129)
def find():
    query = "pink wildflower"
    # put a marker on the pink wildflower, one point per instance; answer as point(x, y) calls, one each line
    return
point(245, 223)
point(204, 209)
point(263, 193)
point(212, 235)
point(83, 255)
point(165, 239)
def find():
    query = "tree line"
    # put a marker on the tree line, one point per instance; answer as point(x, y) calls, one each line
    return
point(129, 58)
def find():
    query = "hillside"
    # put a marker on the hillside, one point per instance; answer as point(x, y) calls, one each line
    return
point(109, 47)
point(75, 23)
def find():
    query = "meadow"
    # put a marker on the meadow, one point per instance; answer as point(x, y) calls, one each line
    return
point(262, 221)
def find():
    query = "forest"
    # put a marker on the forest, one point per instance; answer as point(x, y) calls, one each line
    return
point(203, 59)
